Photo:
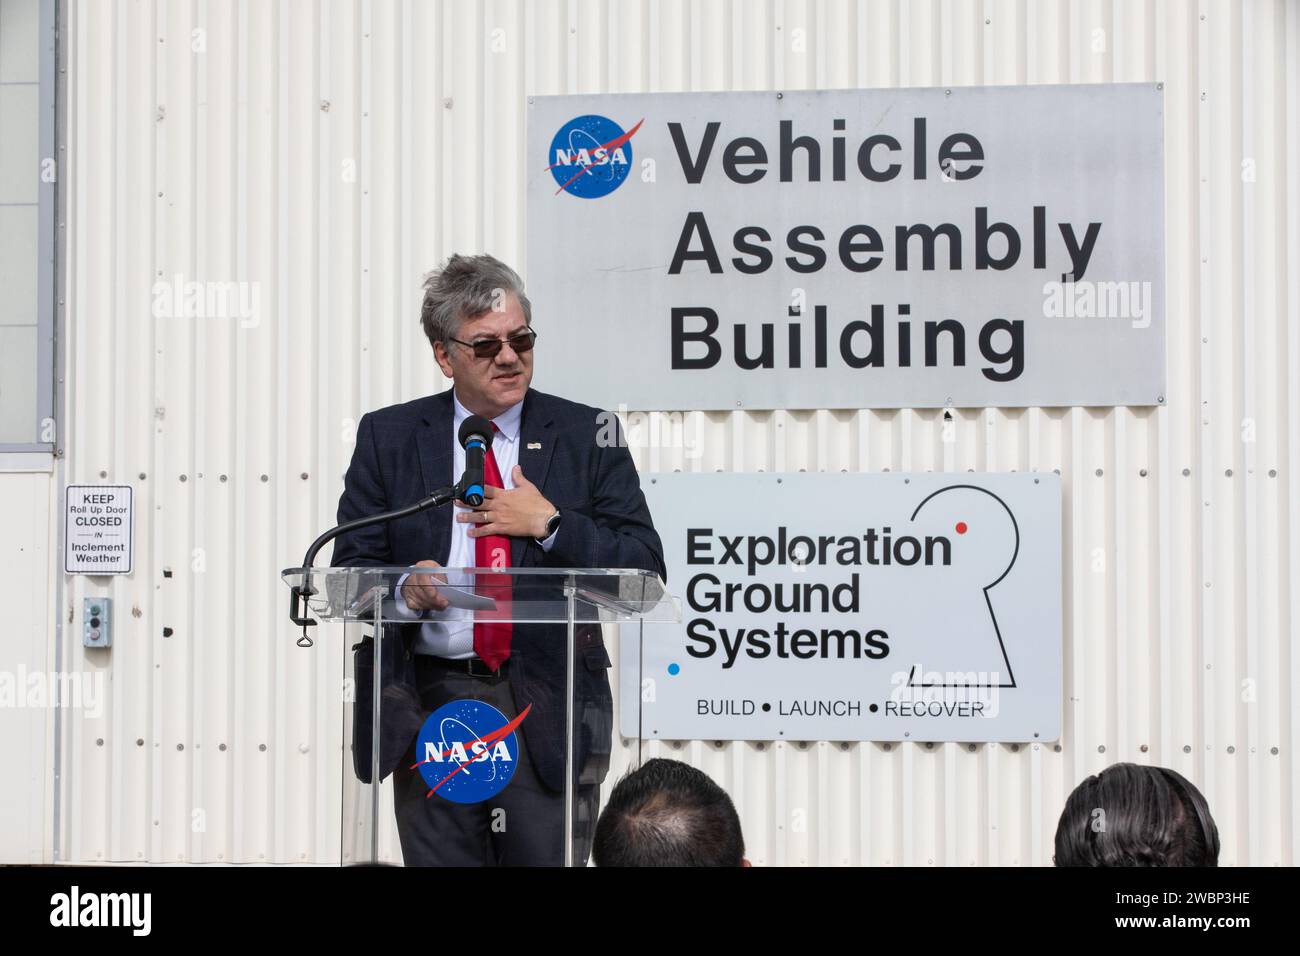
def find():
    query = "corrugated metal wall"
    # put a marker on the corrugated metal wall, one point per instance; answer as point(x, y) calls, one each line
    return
point(330, 153)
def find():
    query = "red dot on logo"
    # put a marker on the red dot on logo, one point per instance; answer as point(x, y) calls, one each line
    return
point(961, 527)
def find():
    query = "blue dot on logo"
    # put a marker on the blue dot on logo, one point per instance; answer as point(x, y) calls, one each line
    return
point(590, 156)
point(674, 669)
point(465, 754)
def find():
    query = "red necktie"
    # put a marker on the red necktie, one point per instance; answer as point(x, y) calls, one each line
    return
point(491, 637)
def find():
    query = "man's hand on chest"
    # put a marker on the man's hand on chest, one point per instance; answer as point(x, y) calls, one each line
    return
point(520, 512)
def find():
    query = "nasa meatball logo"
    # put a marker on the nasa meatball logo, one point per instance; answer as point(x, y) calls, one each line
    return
point(590, 156)
point(468, 751)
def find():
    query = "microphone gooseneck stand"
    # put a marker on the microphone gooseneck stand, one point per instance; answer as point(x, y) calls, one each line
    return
point(299, 593)
point(475, 436)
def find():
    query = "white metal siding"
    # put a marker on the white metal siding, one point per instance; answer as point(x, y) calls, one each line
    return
point(1182, 523)
point(26, 660)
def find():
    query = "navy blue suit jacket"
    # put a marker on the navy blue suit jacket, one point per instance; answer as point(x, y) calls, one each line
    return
point(403, 453)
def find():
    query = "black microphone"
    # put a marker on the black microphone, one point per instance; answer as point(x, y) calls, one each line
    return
point(476, 438)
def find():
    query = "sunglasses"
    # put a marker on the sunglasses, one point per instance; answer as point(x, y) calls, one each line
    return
point(488, 348)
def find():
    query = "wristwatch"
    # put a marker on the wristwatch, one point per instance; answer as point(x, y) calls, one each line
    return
point(552, 523)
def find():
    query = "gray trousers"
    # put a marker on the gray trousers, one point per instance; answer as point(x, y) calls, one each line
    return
point(523, 825)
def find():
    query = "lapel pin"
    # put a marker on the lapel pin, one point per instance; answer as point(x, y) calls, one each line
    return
point(534, 445)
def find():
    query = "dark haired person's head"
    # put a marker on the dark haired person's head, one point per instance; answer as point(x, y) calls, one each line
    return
point(1131, 815)
point(668, 814)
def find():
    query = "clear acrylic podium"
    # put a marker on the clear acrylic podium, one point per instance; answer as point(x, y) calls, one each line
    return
point(563, 721)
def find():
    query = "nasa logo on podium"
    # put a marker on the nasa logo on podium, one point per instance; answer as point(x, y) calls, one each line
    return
point(468, 751)
point(590, 156)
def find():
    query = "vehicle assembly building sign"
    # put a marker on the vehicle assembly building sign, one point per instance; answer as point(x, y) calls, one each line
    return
point(922, 607)
point(972, 246)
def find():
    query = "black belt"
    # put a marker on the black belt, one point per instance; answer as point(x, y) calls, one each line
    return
point(587, 634)
point(471, 666)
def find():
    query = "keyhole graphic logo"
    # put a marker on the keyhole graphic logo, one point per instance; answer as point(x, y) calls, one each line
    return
point(963, 591)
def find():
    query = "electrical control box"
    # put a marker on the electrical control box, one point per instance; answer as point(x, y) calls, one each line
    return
point(97, 622)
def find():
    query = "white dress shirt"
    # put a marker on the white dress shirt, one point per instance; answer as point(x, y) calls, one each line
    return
point(452, 634)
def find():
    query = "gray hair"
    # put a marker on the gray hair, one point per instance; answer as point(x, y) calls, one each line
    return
point(463, 287)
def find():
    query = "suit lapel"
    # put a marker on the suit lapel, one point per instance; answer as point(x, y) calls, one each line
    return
point(536, 443)
point(434, 442)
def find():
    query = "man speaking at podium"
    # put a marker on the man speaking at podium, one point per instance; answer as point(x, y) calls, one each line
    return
point(556, 497)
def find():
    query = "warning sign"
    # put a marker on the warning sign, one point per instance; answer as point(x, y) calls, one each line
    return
point(99, 527)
